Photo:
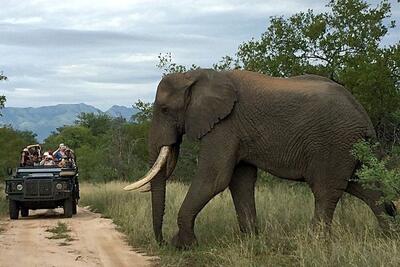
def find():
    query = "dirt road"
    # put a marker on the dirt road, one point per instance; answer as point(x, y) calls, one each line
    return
point(92, 241)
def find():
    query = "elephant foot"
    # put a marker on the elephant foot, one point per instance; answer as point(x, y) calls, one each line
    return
point(162, 243)
point(320, 230)
point(249, 230)
point(181, 241)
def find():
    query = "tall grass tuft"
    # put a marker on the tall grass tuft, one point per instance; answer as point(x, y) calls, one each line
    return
point(285, 239)
point(3, 202)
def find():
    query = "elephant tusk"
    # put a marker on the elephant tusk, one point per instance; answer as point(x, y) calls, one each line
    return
point(160, 162)
point(146, 188)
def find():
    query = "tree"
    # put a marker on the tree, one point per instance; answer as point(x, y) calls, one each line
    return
point(12, 142)
point(145, 112)
point(73, 136)
point(165, 63)
point(97, 123)
point(2, 98)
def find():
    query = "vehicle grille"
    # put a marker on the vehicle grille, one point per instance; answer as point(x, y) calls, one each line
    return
point(38, 188)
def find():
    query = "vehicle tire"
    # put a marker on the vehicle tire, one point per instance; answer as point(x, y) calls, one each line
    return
point(24, 212)
point(74, 206)
point(14, 209)
point(68, 203)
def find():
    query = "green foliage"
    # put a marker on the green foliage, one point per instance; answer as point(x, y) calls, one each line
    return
point(374, 172)
point(145, 112)
point(166, 64)
point(227, 63)
point(2, 77)
point(2, 97)
point(187, 162)
point(73, 136)
point(12, 142)
point(2, 102)
point(97, 123)
point(324, 43)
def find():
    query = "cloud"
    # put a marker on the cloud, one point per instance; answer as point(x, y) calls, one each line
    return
point(105, 52)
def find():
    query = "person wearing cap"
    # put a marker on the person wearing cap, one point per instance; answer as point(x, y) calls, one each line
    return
point(45, 155)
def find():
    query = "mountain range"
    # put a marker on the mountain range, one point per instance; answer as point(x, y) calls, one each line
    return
point(44, 120)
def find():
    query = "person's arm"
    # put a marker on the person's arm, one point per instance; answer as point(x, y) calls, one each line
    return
point(22, 162)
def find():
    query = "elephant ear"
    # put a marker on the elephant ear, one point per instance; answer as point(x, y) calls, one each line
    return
point(211, 98)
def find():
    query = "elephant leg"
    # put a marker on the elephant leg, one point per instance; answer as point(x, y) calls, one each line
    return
point(325, 205)
point(217, 159)
point(327, 193)
point(242, 191)
point(372, 199)
point(329, 175)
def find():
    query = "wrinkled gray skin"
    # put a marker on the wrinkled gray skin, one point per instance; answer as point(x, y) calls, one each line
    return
point(300, 128)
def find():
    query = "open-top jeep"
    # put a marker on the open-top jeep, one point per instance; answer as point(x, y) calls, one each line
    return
point(42, 187)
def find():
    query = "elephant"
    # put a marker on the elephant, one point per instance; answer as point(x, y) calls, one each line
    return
point(301, 128)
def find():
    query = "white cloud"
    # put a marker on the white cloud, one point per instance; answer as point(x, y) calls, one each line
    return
point(23, 20)
point(105, 52)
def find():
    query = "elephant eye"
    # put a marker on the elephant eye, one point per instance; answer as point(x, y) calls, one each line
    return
point(164, 110)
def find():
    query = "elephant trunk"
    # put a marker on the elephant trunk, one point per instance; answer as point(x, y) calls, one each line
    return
point(155, 181)
point(158, 186)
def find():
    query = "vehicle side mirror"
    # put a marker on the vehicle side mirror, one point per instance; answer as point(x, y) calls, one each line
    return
point(9, 171)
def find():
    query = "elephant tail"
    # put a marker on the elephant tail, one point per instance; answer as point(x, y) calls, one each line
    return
point(370, 197)
point(390, 208)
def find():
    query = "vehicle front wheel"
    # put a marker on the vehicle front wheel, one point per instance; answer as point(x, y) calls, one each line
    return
point(14, 209)
point(74, 206)
point(68, 208)
point(24, 212)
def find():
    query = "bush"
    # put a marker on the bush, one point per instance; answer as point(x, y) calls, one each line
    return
point(12, 142)
point(374, 172)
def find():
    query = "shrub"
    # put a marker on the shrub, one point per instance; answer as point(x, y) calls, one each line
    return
point(374, 173)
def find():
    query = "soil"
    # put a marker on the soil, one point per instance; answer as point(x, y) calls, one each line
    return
point(92, 241)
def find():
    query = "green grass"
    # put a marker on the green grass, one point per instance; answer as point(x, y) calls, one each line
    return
point(60, 231)
point(285, 239)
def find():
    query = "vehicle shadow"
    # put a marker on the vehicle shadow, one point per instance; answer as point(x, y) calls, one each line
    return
point(49, 214)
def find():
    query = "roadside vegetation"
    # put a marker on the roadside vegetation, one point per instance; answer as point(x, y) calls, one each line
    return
point(3, 202)
point(60, 231)
point(284, 213)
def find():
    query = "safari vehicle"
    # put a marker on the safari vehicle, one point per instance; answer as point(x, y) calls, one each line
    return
point(42, 187)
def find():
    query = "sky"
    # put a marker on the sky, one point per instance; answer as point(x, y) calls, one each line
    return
point(104, 53)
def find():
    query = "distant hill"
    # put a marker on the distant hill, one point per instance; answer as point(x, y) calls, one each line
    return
point(44, 120)
point(121, 111)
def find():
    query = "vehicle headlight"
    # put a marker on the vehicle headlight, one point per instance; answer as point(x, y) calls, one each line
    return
point(20, 187)
point(59, 186)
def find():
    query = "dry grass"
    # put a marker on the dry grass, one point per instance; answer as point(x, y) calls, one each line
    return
point(3, 201)
point(284, 212)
